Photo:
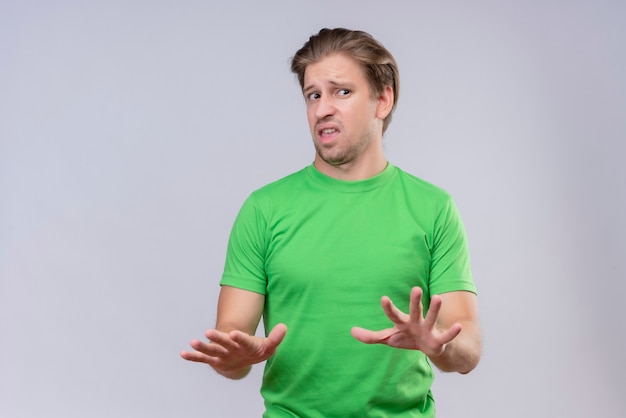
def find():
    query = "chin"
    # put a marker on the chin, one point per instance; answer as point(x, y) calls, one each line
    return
point(335, 160)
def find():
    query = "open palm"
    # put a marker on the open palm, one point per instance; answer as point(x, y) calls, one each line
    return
point(411, 331)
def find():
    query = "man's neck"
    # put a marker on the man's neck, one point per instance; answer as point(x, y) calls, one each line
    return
point(353, 170)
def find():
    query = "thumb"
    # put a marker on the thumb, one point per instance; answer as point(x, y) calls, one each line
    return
point(276, 336)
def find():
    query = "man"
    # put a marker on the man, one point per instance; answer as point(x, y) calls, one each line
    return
point(315, 251)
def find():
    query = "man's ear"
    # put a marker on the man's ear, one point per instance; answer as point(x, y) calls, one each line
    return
point(384, 103)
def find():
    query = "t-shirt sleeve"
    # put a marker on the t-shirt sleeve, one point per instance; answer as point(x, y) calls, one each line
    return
point(245, 255)
point(450, 262)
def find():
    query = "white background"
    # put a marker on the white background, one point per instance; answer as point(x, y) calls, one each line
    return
point(132, 131)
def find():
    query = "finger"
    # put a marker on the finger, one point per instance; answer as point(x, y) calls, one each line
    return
point(371, 337)
point(433, 312)
point(393, 313)
point(196, 357)
point(415, 305)
point(210, 349)
point(253, 343)
point(221, 338)
point(245, 341)
point(450, 334)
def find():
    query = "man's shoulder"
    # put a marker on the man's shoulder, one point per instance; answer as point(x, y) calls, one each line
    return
point(280, 192)
point(283, 185)
point(417, 184)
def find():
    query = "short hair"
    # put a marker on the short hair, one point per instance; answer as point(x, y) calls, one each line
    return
point(379, 66)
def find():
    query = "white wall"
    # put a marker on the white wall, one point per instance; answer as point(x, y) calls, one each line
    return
point(131, 132)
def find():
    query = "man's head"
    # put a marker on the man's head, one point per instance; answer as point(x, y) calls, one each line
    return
point(378, 65)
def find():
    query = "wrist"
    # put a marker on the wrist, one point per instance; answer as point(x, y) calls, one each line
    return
point(235, 374)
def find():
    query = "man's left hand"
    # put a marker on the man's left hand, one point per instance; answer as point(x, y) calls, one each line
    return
point(412, 331)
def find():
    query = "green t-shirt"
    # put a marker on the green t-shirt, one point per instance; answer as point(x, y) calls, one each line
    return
point(323, 251)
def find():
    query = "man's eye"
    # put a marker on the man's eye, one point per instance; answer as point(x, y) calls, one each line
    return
point(343, 92)
point(313, 96)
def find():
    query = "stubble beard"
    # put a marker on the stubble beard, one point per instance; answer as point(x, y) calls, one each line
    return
point(343, 152)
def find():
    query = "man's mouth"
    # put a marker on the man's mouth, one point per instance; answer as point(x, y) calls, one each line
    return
point(328, 131)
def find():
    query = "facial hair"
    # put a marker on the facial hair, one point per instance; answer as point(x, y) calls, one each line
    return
point(343, 151)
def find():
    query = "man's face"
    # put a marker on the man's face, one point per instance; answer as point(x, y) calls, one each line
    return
point(345, 121)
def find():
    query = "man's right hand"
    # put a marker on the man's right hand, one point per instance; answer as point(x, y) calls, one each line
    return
point(232, 353)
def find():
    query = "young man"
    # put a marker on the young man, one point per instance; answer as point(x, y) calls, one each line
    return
point(315, 251)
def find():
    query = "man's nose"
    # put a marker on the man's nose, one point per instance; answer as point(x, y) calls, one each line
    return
point(325, 107)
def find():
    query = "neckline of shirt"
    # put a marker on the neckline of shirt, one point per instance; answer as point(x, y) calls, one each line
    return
point(351, 186)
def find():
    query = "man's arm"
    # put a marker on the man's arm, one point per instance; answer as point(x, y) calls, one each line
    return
point(233, 347)
point(449, 334)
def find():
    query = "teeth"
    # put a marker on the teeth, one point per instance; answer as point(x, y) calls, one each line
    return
point(328, 131)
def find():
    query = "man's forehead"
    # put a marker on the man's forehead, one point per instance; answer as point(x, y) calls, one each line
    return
point(333, 69)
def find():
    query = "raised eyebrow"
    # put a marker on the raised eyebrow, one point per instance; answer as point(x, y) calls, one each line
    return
point(308, 89)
